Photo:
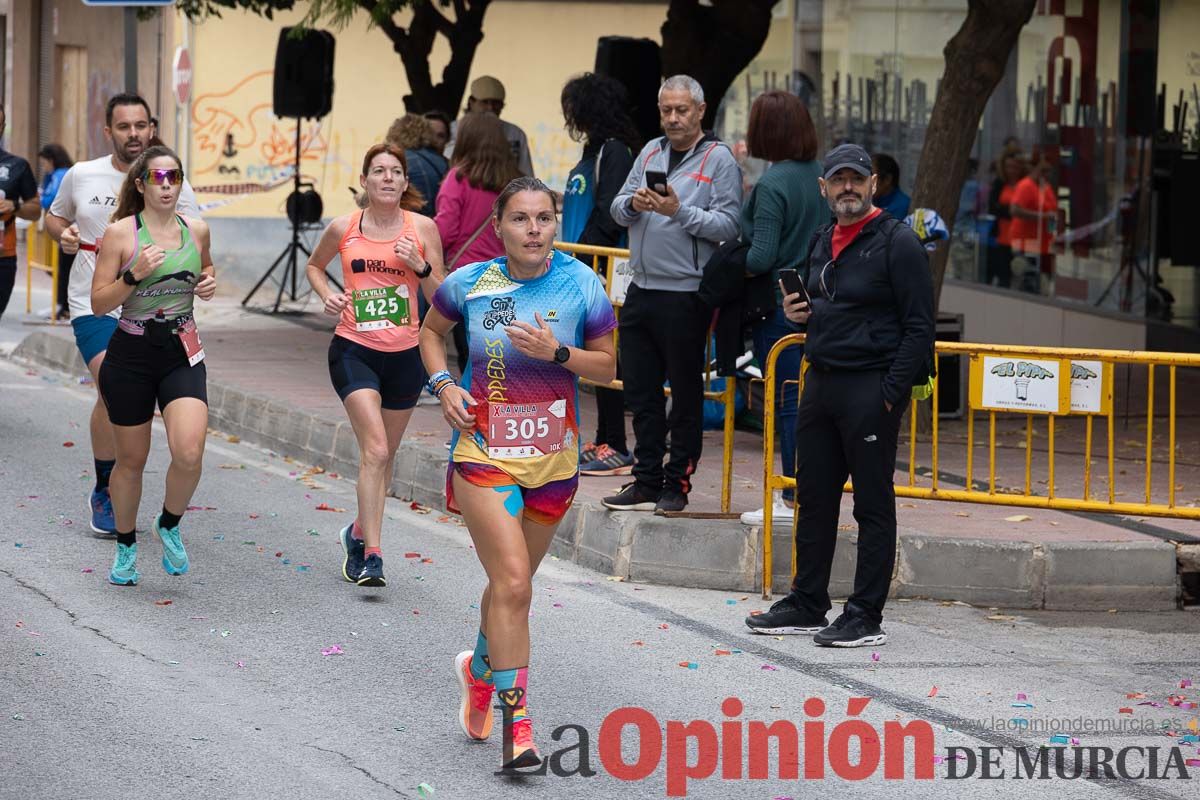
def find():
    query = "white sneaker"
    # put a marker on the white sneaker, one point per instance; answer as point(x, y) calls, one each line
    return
point(779, 511)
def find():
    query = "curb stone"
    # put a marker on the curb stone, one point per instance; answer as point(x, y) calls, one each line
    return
point(717, 554)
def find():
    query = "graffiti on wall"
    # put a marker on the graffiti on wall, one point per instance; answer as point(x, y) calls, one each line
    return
point(240, 148)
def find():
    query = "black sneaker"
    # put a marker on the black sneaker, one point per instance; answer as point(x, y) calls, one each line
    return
point(848, 631)
point(372, 572)
point(670, 501)
point(352, 564)
point(632, 497)
point(785, 617)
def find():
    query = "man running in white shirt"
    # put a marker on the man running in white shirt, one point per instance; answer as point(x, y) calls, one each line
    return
point(78, 217)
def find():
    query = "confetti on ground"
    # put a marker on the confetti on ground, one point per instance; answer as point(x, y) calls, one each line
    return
point(303, 567)
point(233, 466)
point(240, 664)
point(225, 634)
point(1135, 696)
point(874, 656)
point(312, 532)
point(18, 544)
point(1021, 696)
point(1018, 518)
point(1192, 762)
point(638, 643)
point(18, 717)
point(68, 444)
point(1001, 618)
point(731, 602)
point(333, 650)
point(327, 507)
point(201, 508)
point(723, 653)
point(412, 555)
point(163, 602)
point(755, 613)
point(614, 578)
point(689, 664)
point(769, 668)
point(424, 790)
point(932, 692)
point(1185, 684)
point(1125, 710)
point(1022, 705)
point(86, 570)
point(233, 439)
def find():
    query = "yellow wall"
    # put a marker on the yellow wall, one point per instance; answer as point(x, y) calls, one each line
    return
point(532, 47)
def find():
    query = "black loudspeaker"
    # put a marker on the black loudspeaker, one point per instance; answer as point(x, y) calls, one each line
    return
point(1141, 70)
point(1182, 210)
point(636, 64)
point(303, 74)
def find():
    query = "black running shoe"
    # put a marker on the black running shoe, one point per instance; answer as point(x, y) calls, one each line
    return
point(352, 564)
point(786, 618)
point(372, 572)
point(632, 497)
point(670, 501)
point(849, 631)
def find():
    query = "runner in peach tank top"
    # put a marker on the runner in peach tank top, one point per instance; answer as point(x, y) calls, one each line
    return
point(372, 264)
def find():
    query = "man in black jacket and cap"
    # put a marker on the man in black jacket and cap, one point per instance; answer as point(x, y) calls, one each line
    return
point(870, 332)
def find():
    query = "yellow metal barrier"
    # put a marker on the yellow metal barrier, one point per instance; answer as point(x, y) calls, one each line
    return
point(1022, 364)
point(726, 396)
point(41, 255)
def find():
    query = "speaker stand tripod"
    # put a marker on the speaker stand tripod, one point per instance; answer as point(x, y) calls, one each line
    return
point(291, 252)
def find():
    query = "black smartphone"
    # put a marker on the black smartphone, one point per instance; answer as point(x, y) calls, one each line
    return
point(657, 181)
point(792, 284)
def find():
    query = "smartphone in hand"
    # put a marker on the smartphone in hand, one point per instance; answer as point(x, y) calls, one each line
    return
point(790, 279)
point(657, 181)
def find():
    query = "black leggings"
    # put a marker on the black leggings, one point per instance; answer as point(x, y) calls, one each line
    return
point(141, 370)
point(8, 278)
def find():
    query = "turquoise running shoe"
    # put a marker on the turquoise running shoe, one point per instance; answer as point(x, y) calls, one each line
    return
point(175, 559)
point(124, 569)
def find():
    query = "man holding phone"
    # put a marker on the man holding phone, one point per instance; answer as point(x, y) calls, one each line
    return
point(680, 201)
point(867, 304)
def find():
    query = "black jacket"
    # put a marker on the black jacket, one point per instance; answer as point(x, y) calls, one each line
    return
point(880, 316)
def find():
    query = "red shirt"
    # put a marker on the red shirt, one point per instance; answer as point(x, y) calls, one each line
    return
point(844, 234)
point(1033, 235)
point(1004, 224)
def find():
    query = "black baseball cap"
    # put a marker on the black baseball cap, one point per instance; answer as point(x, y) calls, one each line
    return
point(847, 156)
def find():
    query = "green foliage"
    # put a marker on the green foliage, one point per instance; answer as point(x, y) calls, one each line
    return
point(336, 13)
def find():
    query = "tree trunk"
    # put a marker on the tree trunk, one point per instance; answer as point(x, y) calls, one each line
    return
point(713, 43)
point(976, 58)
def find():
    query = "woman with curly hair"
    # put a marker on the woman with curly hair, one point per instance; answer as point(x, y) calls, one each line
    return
point(426, 165)
point(595, 109)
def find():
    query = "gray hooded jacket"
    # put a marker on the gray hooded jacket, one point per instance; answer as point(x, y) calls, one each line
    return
point(669, 253)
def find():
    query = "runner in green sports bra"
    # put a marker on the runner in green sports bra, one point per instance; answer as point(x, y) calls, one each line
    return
point(152, 264)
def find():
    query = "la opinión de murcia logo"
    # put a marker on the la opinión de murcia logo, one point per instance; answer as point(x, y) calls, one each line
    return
point(737, 749)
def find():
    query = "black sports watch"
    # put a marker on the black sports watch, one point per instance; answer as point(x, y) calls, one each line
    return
point(562, 354)
point(424, 273)
point(129, 278)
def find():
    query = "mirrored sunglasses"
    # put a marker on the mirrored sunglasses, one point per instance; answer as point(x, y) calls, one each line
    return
point(157, 177)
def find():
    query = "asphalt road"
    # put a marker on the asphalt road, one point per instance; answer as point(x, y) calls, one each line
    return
point(223, 692)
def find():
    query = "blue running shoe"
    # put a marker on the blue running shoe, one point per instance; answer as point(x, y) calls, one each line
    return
point(103, 522)
point(372, 572)
point(124, 569)
point(175, 560)
point(352, 564)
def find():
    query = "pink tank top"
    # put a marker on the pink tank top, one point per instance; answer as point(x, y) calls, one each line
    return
point(372, 264)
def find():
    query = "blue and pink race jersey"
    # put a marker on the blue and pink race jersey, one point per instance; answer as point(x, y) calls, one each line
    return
point(528, 410)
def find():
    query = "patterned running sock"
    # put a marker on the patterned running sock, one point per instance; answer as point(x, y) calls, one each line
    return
point(481, 666)
point(511, 689)
point(356, 531)
point(103, 471)
point(370, 551)
point(167, 520)
point(127, 538)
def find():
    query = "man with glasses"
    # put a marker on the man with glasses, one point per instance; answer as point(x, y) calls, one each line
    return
point(870, 331)
point(78, 217)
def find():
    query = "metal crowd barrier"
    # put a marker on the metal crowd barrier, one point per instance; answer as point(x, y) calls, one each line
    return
point(1048, 382)
point(41, 255)
point(616, 274)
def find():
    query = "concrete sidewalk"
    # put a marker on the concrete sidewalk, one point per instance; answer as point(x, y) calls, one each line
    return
point(269, 385)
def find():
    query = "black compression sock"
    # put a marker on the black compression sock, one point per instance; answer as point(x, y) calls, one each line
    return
point(167, 520)
point(127, 538)
point(103, 470)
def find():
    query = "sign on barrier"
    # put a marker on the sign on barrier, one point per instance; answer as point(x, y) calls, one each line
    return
point(1091, 387)
point(622, 277)
point(1018, 383)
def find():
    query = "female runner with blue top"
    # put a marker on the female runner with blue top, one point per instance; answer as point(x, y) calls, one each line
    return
point(536, 320)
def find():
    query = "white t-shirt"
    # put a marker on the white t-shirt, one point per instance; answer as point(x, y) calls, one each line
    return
point(87, 196)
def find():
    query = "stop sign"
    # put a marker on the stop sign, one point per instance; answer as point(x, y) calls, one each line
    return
point(182, 75)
